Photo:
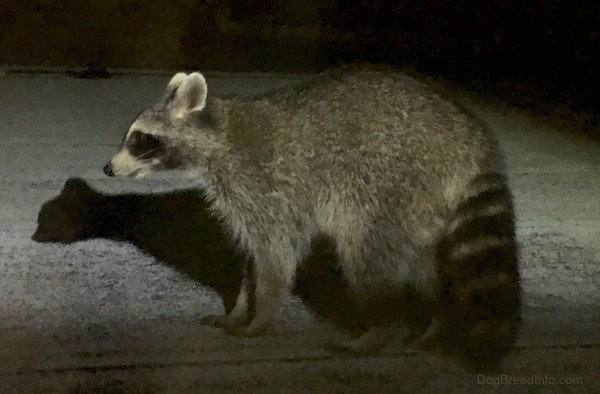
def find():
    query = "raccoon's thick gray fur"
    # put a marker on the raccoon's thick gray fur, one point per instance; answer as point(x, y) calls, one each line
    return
point(410, 188)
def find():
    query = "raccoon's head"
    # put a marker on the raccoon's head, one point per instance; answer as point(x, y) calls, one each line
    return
point(159, 137)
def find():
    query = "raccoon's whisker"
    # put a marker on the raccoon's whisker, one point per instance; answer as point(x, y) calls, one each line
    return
point(147, 153)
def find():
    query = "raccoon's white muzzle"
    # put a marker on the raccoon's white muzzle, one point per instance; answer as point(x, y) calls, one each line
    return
point(123, 163)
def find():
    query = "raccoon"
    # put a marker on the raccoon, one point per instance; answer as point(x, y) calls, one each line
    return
point(411, 190)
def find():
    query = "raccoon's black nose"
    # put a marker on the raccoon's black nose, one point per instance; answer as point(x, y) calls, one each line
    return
point(108, 170)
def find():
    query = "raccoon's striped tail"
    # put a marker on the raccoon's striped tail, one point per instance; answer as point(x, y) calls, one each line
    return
point(477, 261)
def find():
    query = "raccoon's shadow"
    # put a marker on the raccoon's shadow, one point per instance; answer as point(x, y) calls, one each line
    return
point(177, 229)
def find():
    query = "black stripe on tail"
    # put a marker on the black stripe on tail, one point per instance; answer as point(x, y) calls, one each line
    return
point(477, 266)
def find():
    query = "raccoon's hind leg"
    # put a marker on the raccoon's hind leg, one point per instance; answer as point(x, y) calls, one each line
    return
point(405, 314)
point(372, 341)
point(393, 283)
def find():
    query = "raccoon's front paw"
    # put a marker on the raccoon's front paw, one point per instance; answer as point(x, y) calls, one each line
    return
point(222, 321)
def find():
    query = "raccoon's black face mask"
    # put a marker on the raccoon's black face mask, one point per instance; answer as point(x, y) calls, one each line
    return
point(141, 154)
point(143, 146)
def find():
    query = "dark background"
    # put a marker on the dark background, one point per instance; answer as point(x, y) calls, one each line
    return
point(539, 54)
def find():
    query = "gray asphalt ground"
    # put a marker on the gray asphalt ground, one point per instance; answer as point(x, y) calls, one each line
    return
point(100, 316)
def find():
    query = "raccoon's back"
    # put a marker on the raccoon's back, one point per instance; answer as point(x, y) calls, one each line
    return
point(370, 123)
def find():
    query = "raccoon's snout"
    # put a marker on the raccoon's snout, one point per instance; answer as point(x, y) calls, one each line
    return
point(108, 170)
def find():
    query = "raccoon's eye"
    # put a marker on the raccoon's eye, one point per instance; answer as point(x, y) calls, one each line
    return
point(142, 144)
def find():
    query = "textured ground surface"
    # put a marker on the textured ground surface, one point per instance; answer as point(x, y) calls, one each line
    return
point(101, 316)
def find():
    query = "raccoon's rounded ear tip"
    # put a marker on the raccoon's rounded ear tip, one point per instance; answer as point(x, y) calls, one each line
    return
point(176, 80)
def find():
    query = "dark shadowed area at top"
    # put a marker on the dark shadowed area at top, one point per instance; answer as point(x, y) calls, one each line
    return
point(539, 54)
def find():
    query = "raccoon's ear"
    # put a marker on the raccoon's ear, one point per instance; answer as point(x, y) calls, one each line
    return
point(175, 82)
point(189, 97)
